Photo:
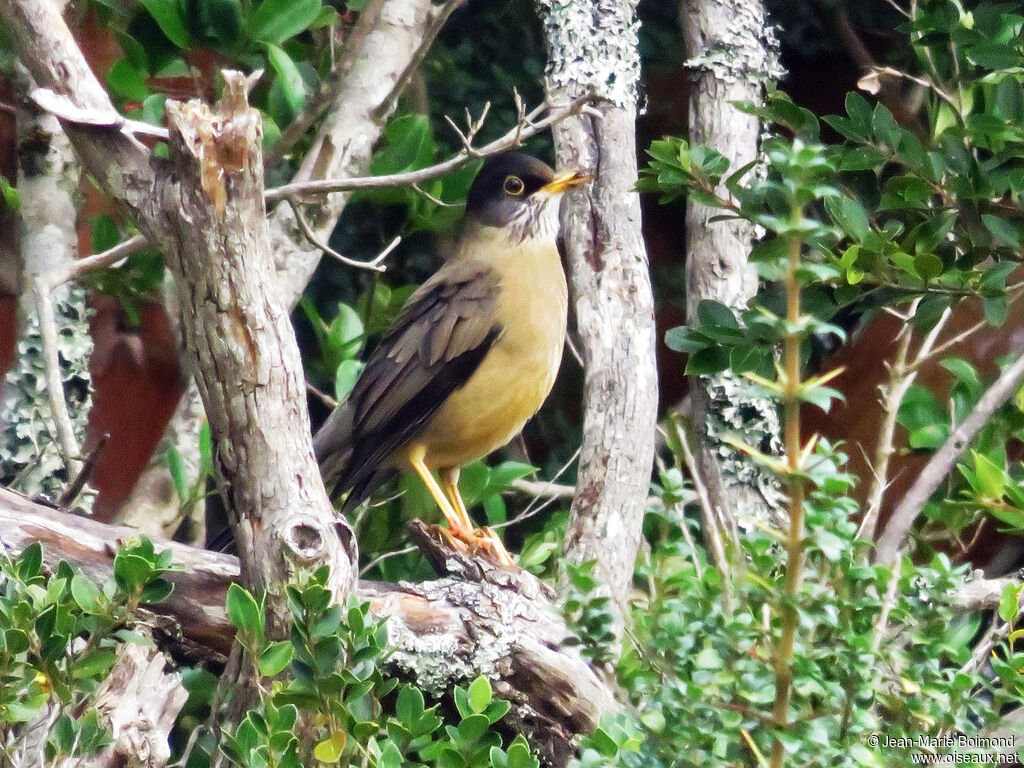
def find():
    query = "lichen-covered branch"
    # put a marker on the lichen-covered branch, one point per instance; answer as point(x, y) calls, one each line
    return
point(592, 50)
point(732, 56)
point(46, 395)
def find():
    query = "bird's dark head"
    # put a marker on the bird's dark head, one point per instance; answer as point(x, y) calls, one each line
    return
point(521, 192)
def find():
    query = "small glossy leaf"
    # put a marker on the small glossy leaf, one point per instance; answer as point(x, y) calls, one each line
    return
point(277, 20)
point(275, 658)
point(167, 14)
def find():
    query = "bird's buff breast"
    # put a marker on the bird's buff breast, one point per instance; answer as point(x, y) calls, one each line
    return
point(516, 376)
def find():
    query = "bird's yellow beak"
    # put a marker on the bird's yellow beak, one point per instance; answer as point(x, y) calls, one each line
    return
point(564, 182)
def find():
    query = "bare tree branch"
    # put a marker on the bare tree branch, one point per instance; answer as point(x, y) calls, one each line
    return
point(367, 95)
point(529, 127)
point(66, 439)
point(938, 467)
point(103, 260)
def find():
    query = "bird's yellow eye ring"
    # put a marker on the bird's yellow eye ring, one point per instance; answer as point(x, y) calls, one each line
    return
point(514, 185)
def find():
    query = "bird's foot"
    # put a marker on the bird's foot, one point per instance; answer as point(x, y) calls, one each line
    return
point(480, 542)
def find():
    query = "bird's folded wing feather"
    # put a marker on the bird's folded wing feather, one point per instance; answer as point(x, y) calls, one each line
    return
point(441, 337)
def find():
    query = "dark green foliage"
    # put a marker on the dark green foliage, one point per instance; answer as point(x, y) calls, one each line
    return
point(890, 217)
point(588, 613)
point(326, 682)
point(58, 637)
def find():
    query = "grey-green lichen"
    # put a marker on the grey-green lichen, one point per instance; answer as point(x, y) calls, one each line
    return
point(436, 662)
point(593, 48)
point(739, 410)
point(746, 47)
point(29, 458)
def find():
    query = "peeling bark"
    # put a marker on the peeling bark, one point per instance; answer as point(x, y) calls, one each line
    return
point(139, 702)
point(732, 56)
point(592, 48)
point(477, 620)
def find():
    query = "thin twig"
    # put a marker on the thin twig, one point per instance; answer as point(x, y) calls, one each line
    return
point(888, 601)
point(322, 396)
point(938, 467)
point(901, 377)
point(67, 443)
point(511, 139)
point(472, 129)
point(386, 556)
point(78, 484)
point(530, 510)
point(103, 260)
point(1014, 293)
point(374, 264)
point(712, 527)
point(435, 200)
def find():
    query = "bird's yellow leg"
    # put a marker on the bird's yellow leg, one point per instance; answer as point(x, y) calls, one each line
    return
point(450, 484)
point(484, 537)
point(455, 522)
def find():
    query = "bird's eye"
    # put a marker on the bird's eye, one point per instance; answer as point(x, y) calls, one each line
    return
point(514, 185)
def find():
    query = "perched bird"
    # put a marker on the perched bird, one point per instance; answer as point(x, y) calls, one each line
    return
point(471, 357)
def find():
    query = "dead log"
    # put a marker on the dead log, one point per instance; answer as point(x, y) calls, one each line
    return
point(476, 620)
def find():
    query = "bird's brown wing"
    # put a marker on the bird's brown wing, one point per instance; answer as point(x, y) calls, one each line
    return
point(442, 335)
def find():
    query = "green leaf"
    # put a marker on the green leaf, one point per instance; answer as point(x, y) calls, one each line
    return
point(223, 19)
point(176, 468)
point(275, 657)
point(1002, 230)
point(330, 749)
point(519, 756)
point(1009, 604)
point(131, 572)
point(10, 194)
point(277, 20)
point(707, 361)
point(850, 215)
point(345, 378)
point(928, 266)
point(289, 79)
point(243, 611)
point(31, 561)
point(473, 727)
point(85, 594)
point(715, 313)
point(991, 477)
point(126, 81)
point(94, 664)
point(708, 659)
point(167, 15)
point(480, 694)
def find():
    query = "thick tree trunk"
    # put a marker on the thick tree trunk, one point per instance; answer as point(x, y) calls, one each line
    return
point(240, 342)
point(592, 48)
point(477, 620)
point(732, 56)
